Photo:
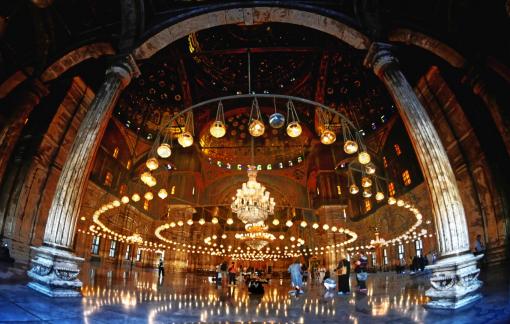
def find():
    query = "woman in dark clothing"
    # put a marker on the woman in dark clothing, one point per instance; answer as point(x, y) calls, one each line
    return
point(344, 271)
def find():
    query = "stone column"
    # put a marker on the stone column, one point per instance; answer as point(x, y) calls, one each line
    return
point(454, 279)
point(55, 267)
point(332, 215)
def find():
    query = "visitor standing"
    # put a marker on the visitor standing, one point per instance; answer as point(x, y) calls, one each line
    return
point(361, 272)
point(232, 274)
point(322, 273)
point(224, 273)
point(161, 268)
point(344, 271)
point(479, 246)
point(296, 276)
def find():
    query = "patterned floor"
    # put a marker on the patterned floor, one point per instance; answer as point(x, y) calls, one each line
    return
point(137, 296)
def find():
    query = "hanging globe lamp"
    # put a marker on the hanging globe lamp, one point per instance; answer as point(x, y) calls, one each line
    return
point(152, 163)
point(350, 147)
point(185, 139)
point(218, 129)
point(164, 150)
point(366, 182)
point(256, 128)
point(162, 193)
point(328, 137)
point(294, 129)
point(364, 157)
point(276, 120)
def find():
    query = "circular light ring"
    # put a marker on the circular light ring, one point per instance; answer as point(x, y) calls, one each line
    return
point(400, 203)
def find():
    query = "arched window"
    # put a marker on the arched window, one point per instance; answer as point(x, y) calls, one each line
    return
point(108, 179)
point(115, 152)
point(397, 149)
point(406, 177)
point(391, 189)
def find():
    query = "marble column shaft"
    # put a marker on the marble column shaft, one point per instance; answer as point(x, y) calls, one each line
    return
point(55, 268)
point(454, 278)
point(71, 185)
point(448, 211)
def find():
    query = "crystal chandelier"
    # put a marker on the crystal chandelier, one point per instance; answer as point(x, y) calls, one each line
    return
point(252, 203)
point(135, 239)
point(256, 240)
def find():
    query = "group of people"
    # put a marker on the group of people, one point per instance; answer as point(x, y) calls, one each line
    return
point(226, 274)
point(343, 271)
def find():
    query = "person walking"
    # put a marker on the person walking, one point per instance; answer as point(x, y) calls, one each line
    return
point(344, 271)
point(296, 276)
point(161, 268)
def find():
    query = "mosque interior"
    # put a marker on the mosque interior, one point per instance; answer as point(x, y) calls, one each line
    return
point(149, 149)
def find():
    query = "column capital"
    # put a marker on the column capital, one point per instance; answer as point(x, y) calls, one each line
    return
point(124, 68)
point(380, 57)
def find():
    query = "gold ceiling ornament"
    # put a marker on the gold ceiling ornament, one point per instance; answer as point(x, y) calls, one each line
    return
point(252, 202)
point(218, 128)
point(294, 128)
point(185, 138)
point(256, 126)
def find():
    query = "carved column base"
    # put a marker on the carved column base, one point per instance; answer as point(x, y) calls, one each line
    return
point(454, 282)
point(54, 272)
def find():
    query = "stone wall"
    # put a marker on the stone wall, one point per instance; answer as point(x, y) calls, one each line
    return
point(30, 199)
